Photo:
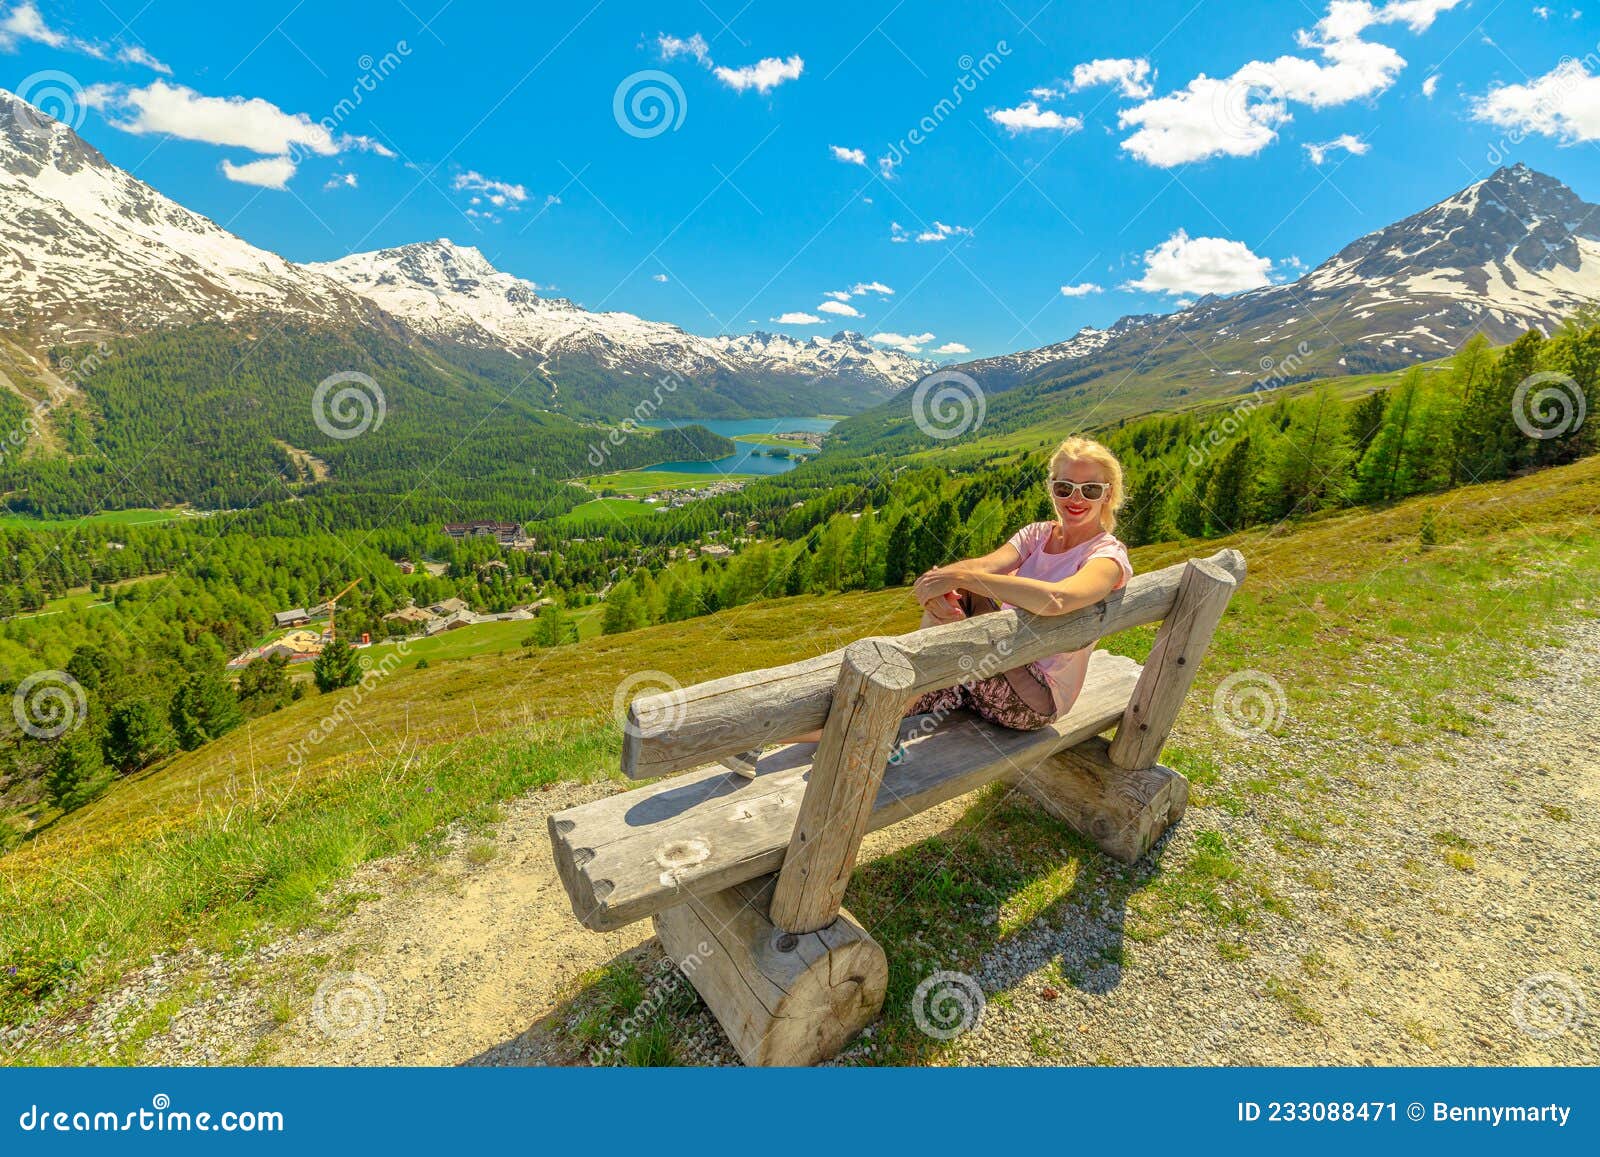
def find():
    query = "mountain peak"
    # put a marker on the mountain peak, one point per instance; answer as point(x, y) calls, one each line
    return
point(86, 247)
point(1504, 230)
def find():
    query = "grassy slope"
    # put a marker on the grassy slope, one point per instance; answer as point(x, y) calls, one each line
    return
point(1370, 637)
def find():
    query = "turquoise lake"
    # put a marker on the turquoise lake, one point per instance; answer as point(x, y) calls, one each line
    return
point(750, 459)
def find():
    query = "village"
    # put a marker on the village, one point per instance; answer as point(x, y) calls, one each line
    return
point(304, 638)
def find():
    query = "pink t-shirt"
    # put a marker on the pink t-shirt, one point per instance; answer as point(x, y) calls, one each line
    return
point(1065, 672)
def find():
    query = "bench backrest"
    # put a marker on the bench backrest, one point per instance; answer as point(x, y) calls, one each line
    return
point(692, 726)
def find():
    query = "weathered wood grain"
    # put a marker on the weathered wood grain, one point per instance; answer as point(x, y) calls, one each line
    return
point(862, 731)
point(1180, 645)
point(707, 721)
point(1123, 811)
point(782, 998)
point(635, 853)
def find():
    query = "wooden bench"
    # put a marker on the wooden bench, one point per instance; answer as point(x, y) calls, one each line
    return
point(745, 877)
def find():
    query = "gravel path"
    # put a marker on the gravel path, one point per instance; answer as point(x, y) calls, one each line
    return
point(1404, 959)
point(1392, 956)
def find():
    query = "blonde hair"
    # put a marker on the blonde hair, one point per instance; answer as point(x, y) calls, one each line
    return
point(1088, 450)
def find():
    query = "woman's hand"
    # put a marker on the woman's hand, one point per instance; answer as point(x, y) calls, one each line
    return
point(941, 580)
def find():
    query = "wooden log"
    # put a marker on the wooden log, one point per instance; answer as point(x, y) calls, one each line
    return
point(629, 855)
point(782, 998)
point(1123, 811)
point(862, 731)
point(1174, 660)
point(707, 721)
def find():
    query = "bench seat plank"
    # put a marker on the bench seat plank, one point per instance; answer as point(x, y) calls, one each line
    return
point(639, 852)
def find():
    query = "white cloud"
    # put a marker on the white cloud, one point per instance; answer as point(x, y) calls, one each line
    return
point(1082, 289)
point(695, 46)
point(661, 277)
point(1563, 103)
point(137, 54)
point(1131, 77)
point(763, 76)
point(837, 294)
point(1209, 118)
point(236, 121)
point(905, 343)
point(1045, 92)
point(338, 181)
point(1430, 86)
point(1542, 12)
point(886, 166)
point(268, 173)
point(24, 23)
point(952, 347)
point(938, 231)
point(1239, 115)
point(1029, 117)
point(1183, 265)
point(848, 156)
point(798, 318)
point(877, 287)
point(500, 194)
point(1349, 142)
point(840, 309)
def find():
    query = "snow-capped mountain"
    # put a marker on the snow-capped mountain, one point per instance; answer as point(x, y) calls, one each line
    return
point(86, 249)
point(451, 292)
point(1519, 247)
point(1516, 250)
point(846, 354)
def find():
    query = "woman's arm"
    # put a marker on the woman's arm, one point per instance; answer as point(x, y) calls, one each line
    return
point(1098, 578)
point(1002, 561)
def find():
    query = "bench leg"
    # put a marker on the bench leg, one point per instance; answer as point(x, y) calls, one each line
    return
point(1122, 811)
point(783, 998)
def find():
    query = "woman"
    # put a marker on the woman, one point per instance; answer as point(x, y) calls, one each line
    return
point(1048, 568)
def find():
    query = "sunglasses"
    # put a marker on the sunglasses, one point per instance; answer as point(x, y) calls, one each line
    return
point(1091, 491)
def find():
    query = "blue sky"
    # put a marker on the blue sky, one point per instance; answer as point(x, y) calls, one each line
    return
point(977, 159)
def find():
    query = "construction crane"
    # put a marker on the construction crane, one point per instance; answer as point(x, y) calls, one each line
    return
point(332, 604)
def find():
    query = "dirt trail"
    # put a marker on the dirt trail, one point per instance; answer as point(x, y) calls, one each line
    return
point(1402, 958)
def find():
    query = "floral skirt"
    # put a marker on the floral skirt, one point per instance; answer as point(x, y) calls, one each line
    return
point(994, 699)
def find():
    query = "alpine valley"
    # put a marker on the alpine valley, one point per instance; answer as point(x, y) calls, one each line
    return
point(134, 329)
